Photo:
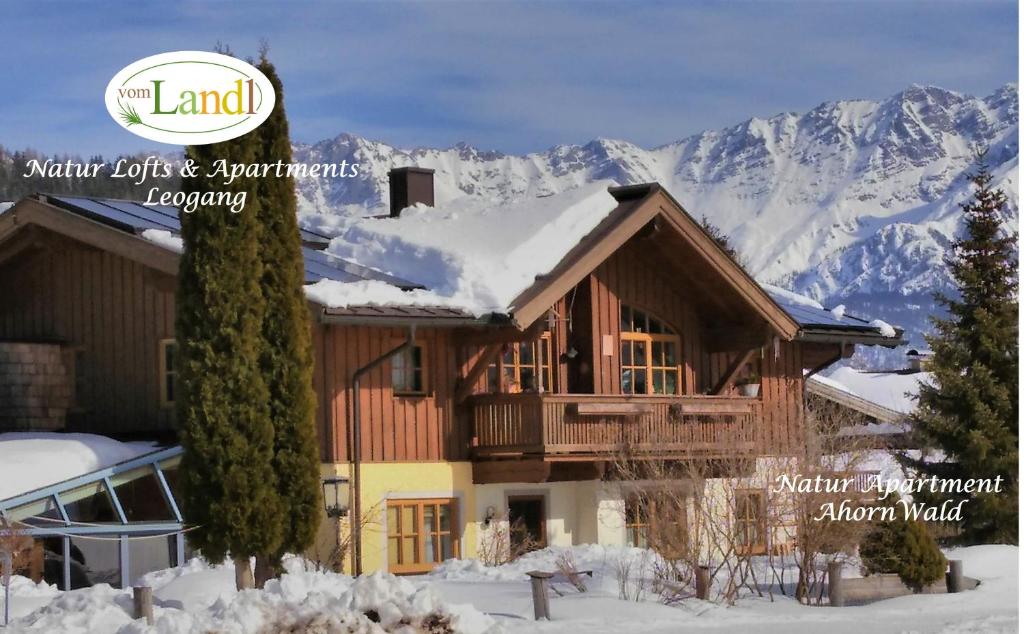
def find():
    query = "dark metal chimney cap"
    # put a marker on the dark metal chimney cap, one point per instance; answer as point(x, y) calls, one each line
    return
point(410, 186)
point(416, 170)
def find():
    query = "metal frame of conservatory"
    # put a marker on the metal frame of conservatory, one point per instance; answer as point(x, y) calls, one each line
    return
point(66, 528)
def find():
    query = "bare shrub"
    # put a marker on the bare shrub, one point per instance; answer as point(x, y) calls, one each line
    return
point(332, 557)
point(493, 544)
point(831, 453)
point(14, 541)
point(631, 578)
point(565, 563)
point(683, 510)
point(496, 546)
point(726, 510)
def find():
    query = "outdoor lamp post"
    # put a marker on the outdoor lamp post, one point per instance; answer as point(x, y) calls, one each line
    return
point(336, 496)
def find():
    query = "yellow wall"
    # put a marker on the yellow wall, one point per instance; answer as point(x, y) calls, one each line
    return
point(392, 480)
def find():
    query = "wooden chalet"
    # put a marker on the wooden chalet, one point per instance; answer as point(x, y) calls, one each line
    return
point(645, 337)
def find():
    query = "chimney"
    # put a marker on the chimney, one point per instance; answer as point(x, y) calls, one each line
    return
point(409, 186)
point(918, 360)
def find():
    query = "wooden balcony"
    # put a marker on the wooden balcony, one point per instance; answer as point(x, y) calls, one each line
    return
point(582, 425)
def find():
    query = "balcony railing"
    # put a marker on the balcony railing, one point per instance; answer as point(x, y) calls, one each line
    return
point(589, 424)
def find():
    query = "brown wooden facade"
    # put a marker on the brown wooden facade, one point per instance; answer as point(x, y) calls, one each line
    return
point(110, 300)
point(108, 312)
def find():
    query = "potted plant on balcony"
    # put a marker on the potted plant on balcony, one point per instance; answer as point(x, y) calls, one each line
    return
point(749, 385)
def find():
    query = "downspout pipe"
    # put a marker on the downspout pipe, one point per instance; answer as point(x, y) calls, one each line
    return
point(355, 424)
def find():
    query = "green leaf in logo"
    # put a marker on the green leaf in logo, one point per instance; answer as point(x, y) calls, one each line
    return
point(129, 115)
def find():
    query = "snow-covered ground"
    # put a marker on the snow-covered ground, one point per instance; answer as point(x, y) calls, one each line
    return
point(198, 598)
point(473, 599)
point(504, 594)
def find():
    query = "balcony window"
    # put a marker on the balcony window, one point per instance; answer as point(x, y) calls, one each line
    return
point(649, 354)
point(523, 367)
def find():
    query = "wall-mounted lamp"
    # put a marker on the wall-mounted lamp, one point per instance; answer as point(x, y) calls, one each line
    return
point(489, 516)
point(569, 354)
point(336, 496)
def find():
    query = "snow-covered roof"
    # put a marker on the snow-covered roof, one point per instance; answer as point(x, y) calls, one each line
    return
point(896, 391)
point(32, 460)
point(477, 255)
point(468, 257)
point(159, 224)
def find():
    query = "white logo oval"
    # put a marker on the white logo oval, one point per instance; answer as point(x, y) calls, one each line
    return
point(190, 97)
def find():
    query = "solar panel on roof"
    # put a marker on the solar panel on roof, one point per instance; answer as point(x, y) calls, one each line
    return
point(312, 236)
point(135, 217)
point(171, 222)
point(330, 272)
point(356, 270)
point(111, 215)
point(810, 316)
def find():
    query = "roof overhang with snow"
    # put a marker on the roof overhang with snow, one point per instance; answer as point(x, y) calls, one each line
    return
point(818, 387)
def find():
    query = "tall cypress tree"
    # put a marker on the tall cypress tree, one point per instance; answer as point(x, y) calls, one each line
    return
point(971, 412)
point(230, 493)
point(286, 356)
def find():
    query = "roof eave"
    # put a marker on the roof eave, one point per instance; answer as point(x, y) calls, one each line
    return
point(398, 316)
point(850, 336)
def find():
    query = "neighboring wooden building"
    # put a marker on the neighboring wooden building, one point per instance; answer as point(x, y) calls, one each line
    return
point(637, 339)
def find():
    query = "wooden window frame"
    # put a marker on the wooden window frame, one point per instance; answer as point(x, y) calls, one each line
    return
point(540, 345)
point(649, 339)
point(645, 507)
point(423, 369)
point(640, 525)
point(164, 373)
point(421, 533)
point(744, 525)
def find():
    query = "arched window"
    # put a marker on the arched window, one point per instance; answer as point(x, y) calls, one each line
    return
point(649, 354)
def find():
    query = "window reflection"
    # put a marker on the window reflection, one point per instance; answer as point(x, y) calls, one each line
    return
point(95, 560)
point(141, 496)
point(89, 504)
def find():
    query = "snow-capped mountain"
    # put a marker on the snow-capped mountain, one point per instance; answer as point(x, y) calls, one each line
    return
point(853, 202)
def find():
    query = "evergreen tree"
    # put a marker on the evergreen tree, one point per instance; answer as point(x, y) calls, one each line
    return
point(924, 564)
point(230, 492)
point(971, 412)
point(286, 354)
point(903, 547)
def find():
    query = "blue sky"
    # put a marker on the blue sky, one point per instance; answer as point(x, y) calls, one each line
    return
point(514, 77)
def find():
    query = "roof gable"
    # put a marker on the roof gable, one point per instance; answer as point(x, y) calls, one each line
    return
point(639, 206)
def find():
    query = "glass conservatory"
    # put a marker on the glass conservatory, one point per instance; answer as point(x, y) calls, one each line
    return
point(108, 526)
